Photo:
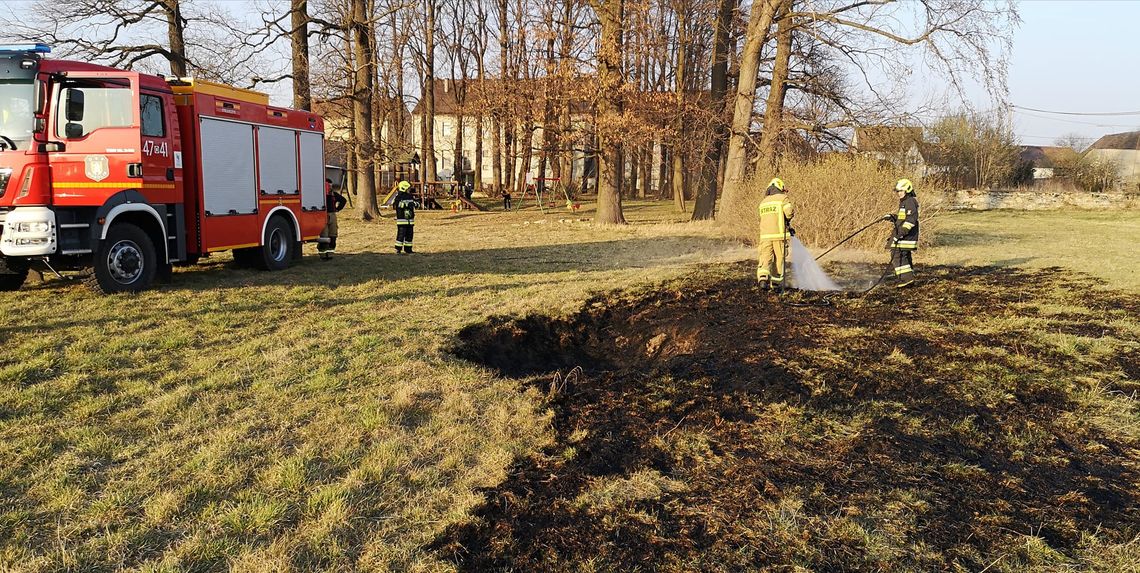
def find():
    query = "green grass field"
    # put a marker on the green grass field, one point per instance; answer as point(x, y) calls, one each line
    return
point(314, 419)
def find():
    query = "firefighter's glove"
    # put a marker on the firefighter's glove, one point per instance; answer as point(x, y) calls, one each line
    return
point(889, 217)
point(792, 231)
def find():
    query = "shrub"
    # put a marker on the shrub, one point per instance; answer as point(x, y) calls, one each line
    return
point(1093, 174)
point(834, 196)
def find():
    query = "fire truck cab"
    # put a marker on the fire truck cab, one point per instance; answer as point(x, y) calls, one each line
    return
point(127, 174)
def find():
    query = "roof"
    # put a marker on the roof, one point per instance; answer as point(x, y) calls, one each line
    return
point(1128, 140)
point(341, 106)
point(886, 138)
point(1047, 155)
point(934, 154)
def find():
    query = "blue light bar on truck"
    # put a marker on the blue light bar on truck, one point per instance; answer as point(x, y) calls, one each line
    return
point(26, 48)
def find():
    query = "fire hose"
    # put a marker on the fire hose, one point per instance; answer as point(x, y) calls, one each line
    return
point(825, 301)
point(849, 237)
point(852, 236)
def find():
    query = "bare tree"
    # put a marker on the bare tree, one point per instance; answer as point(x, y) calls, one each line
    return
point(763, 12)
point(1075, 141)
point(363, 54)
point(611, 15)
point(960, 38)
point(109, 31)
point(705, 205)
point(299, 37)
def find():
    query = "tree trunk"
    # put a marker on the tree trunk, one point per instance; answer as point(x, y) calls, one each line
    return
point(299, 38)
point(497, 153)
point(566, 142)
point(680, 77)
point(646, 163)
point(175, 34)
point(611, 14)
point(633, 182)
point(736, 163)
point(362, 108)
point(705, 205)
point(526, 145)
point(503, 126)
point(429, 93)
point(402, 117)
point(774, 110)
point(457, 170)
point(478, 167)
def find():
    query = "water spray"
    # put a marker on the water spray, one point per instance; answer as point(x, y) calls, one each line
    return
point(817, 277)
point(852, 236)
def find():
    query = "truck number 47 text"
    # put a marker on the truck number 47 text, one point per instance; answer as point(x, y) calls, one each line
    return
point(156, 148)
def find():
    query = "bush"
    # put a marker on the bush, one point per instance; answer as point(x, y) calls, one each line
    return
point(834, 196)
point(1096, 175)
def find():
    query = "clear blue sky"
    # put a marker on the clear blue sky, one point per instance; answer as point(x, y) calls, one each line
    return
point(1075, 56)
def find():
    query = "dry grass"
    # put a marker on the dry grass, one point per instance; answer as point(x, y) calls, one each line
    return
point(303, 420)
point(310, 419)
point(1100, 243)
point(834, 197)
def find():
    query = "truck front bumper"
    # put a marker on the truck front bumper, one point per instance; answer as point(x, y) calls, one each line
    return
point(28, 232)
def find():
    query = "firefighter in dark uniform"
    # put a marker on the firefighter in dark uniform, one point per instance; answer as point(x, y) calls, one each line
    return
point(334, 202)
point(904, 240)
point(405, 217)
point(776, 211)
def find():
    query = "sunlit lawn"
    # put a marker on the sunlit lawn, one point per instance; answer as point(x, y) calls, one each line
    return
point(313, 418)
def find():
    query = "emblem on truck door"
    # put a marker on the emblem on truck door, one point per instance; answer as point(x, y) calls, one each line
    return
point(96, 167)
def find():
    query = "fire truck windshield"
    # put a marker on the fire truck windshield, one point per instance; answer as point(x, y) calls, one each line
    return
point(17, 113)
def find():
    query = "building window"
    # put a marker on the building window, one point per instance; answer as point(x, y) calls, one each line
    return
point(445, 128)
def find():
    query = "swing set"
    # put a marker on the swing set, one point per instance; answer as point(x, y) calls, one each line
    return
point(534, 190)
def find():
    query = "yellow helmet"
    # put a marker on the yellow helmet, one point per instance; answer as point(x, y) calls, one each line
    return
point(777, 183)
point(905, 186)
point(403, 186)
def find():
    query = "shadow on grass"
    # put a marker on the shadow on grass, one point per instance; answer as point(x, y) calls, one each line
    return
point(355, 268)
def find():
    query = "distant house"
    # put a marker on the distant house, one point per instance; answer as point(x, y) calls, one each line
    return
point(338, 116)
point(901, 146)
point(1123, 149)
point(1048, 161)
point(456, 99)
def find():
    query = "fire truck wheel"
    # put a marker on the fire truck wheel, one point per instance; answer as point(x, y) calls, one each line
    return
point(124, 262)
point(12, 275)
point(277, 245)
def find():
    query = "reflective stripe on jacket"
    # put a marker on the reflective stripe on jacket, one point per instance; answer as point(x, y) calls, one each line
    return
point(775, 212)
point(906, 223)
point(405, 209)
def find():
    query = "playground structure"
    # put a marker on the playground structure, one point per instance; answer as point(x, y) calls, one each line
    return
point(430, 193)
point(434, 194)
point(535, 191)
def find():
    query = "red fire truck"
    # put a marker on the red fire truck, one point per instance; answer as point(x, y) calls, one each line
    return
point(127, 174)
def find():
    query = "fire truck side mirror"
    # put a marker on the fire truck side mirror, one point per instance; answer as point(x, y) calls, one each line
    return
point(74, 108)
point(72, 130)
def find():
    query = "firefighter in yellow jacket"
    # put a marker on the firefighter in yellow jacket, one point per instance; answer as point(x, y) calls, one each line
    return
point(776, 212)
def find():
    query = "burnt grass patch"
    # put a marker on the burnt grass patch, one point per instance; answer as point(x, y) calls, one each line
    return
point(706, 425)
